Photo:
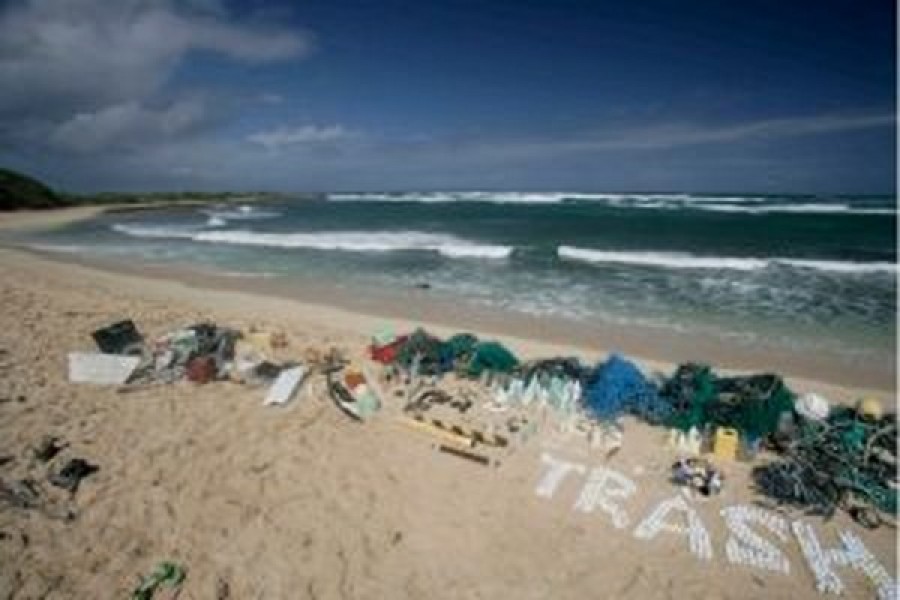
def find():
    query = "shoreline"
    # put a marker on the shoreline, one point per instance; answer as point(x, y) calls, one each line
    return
point(203, 291)
point(656, 349)
point(31, 220)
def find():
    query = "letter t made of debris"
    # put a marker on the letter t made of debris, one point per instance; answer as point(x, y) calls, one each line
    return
point(553, 477)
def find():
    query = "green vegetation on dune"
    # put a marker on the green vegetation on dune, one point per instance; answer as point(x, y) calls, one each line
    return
point(18, 191)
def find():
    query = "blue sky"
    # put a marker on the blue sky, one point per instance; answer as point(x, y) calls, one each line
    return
point(608, 96)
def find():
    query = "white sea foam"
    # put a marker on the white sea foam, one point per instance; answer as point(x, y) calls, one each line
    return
point(240, 213)
point(682, 260)
point(155, 231)
point(436, 197)
point(674, 260)
point(522, 197)
point(813, 208)
point(352, 241)
point(842, 266)
point(724, 199)
point(716, 203)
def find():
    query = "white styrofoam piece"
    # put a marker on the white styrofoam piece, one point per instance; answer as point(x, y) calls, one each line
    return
point(284, 387)
point(108, 369)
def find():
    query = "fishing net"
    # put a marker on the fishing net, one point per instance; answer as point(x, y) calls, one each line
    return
point(617, 386)
point(425, 352)
point(567, 368)
point(754, 405)
point(845, 462)
point(462, 352)
point(461, 347)
point(491, 356)
point(689, 392)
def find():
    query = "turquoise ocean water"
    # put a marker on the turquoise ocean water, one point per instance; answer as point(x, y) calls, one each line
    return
point(803, 272)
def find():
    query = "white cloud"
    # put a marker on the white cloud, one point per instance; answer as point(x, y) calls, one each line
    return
point(57, 57)
point(280, 137)
point(121, 125)
point(671, 135)
point(667, 136)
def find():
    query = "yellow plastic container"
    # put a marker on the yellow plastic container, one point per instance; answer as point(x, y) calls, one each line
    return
point(726, 443)
point(869, 408)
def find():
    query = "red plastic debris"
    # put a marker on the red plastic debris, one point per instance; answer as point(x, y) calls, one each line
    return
point(386, 354)
point(201, 369)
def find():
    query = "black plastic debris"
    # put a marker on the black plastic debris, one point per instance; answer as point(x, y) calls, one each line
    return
point(208, 337)
point(212, 339)
point(698, 474)
point(267, 371)
point(119, 338)
point(71, 475)
point(428, 398)
point(48, 448)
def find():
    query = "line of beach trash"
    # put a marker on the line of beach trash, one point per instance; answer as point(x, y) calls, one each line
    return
point(476, 398)
point(477, 401)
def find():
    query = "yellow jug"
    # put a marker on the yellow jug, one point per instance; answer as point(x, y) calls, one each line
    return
point(726, 443)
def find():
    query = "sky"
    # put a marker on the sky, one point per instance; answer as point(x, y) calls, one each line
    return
point(657, 95)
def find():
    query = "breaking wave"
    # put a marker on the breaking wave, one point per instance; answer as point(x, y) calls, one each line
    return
point(156, 231)
point(681, 260)
point(841, 266)
point(812, 208)
point(522, 197)
point(244, 212)
point(674, 260)
point(351, 241)
point(716, 203)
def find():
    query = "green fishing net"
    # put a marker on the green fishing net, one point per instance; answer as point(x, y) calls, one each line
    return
point(754, 405)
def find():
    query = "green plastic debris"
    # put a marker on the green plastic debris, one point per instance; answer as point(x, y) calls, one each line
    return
point(426, 354)
point(491, 356)
point(753, 404)
point(367, 404)
point(184, 344)
point(166, 574)
point(461, 346)
point(692, 391)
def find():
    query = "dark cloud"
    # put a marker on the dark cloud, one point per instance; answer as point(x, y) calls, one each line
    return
point(57, 57)
point(88, 76)
point(126, 125)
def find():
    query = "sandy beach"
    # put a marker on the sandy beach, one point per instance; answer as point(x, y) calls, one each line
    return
point(300, 502)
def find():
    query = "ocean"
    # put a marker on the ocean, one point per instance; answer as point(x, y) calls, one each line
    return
point(805, 273)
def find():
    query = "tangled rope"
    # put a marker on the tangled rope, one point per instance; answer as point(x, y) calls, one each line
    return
point(845, 462)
